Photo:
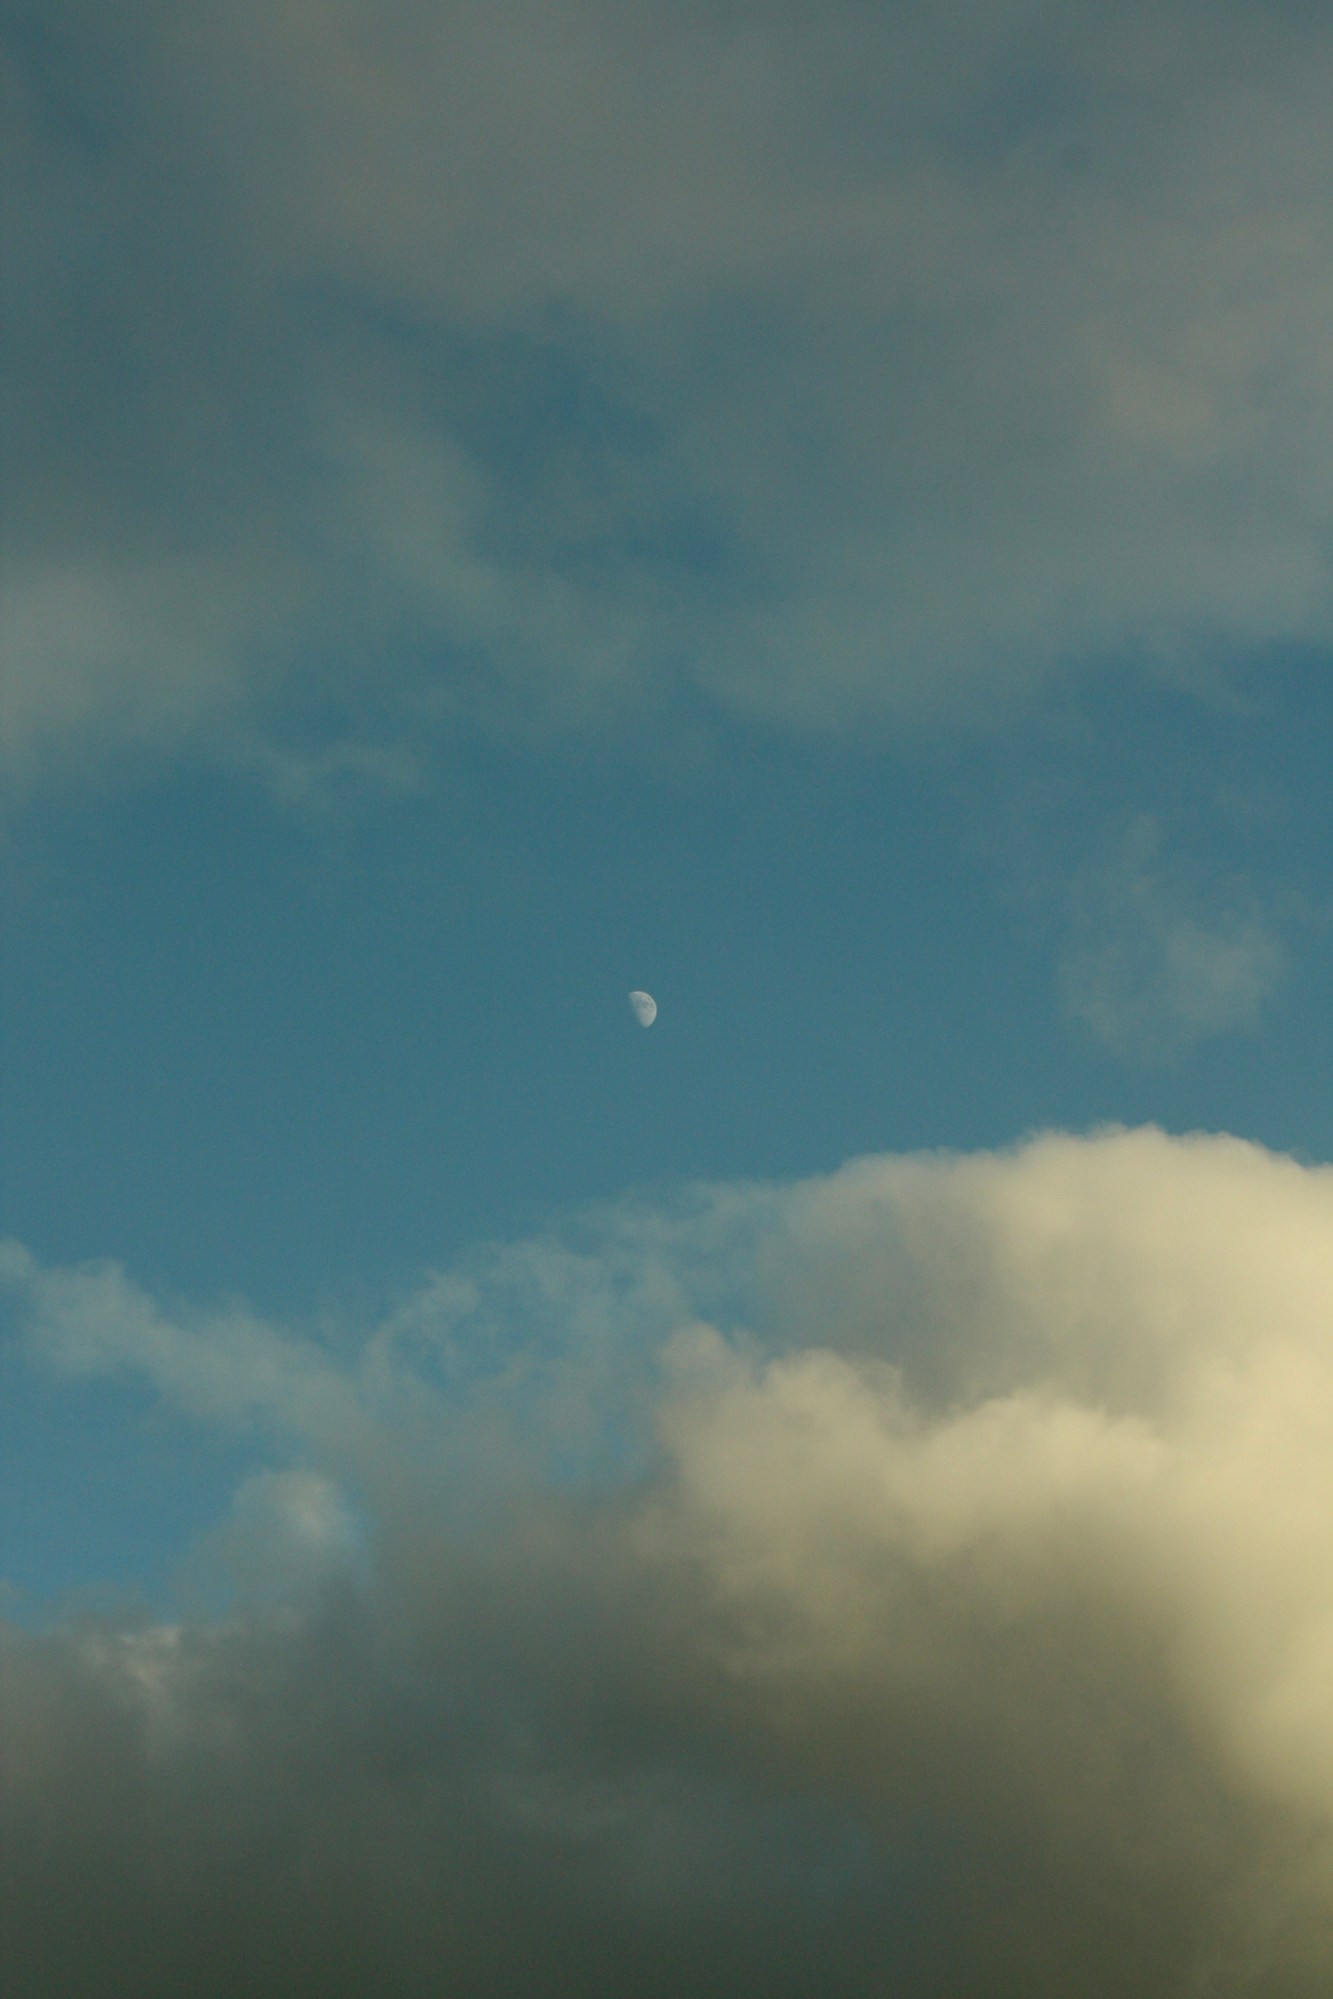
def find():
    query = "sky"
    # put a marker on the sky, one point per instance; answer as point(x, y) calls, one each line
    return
point(824, 515)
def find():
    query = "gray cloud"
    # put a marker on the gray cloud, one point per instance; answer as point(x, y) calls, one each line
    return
point(407, 362)
point(932, 1590)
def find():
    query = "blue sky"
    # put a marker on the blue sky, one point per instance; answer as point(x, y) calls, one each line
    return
point(824, 517)
point(302, 1053)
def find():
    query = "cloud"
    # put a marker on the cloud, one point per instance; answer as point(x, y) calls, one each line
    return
point(288, 1534)
point(1158, 961)
point(933, 1593)
point(376, 366)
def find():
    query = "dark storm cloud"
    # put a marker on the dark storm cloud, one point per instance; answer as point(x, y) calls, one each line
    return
point(379, 362)
point(955, 1618)
point(525, 1801)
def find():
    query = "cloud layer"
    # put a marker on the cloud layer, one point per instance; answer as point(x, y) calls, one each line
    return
point(382, 364)
point(919, 1576)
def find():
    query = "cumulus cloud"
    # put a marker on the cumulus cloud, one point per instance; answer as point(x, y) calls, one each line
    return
point(597, 359)
point(934, 1594)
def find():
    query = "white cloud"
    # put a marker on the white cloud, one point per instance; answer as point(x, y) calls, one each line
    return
point(972, 1565)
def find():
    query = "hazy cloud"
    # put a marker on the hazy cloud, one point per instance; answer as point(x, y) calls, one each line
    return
point(953, 1609)
point(591, 361)
point(1158, 960)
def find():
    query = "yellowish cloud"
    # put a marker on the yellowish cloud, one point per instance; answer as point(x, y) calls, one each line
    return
point(990, 1523)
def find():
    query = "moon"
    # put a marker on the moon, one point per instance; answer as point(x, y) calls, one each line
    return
point(644, 1008)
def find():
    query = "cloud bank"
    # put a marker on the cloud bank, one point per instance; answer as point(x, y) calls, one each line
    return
point(915, 1579)
point(376, 366)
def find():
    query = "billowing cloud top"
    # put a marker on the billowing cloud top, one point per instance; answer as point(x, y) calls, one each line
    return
point(917, 1579)
point(816, 364)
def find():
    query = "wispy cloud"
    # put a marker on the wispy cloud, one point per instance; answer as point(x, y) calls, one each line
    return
point(590, 362)
point(957, 1616)
point(1159, 960)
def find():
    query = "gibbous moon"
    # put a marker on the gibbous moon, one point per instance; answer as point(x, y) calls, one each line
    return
point(644, 1008)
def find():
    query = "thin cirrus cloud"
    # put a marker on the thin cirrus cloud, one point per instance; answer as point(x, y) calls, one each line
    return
point(589, 361)
point(1158, 960)
point(948, 1605)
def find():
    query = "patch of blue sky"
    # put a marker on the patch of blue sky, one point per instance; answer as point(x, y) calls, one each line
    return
point(104, 1489)
point(288, 1057)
